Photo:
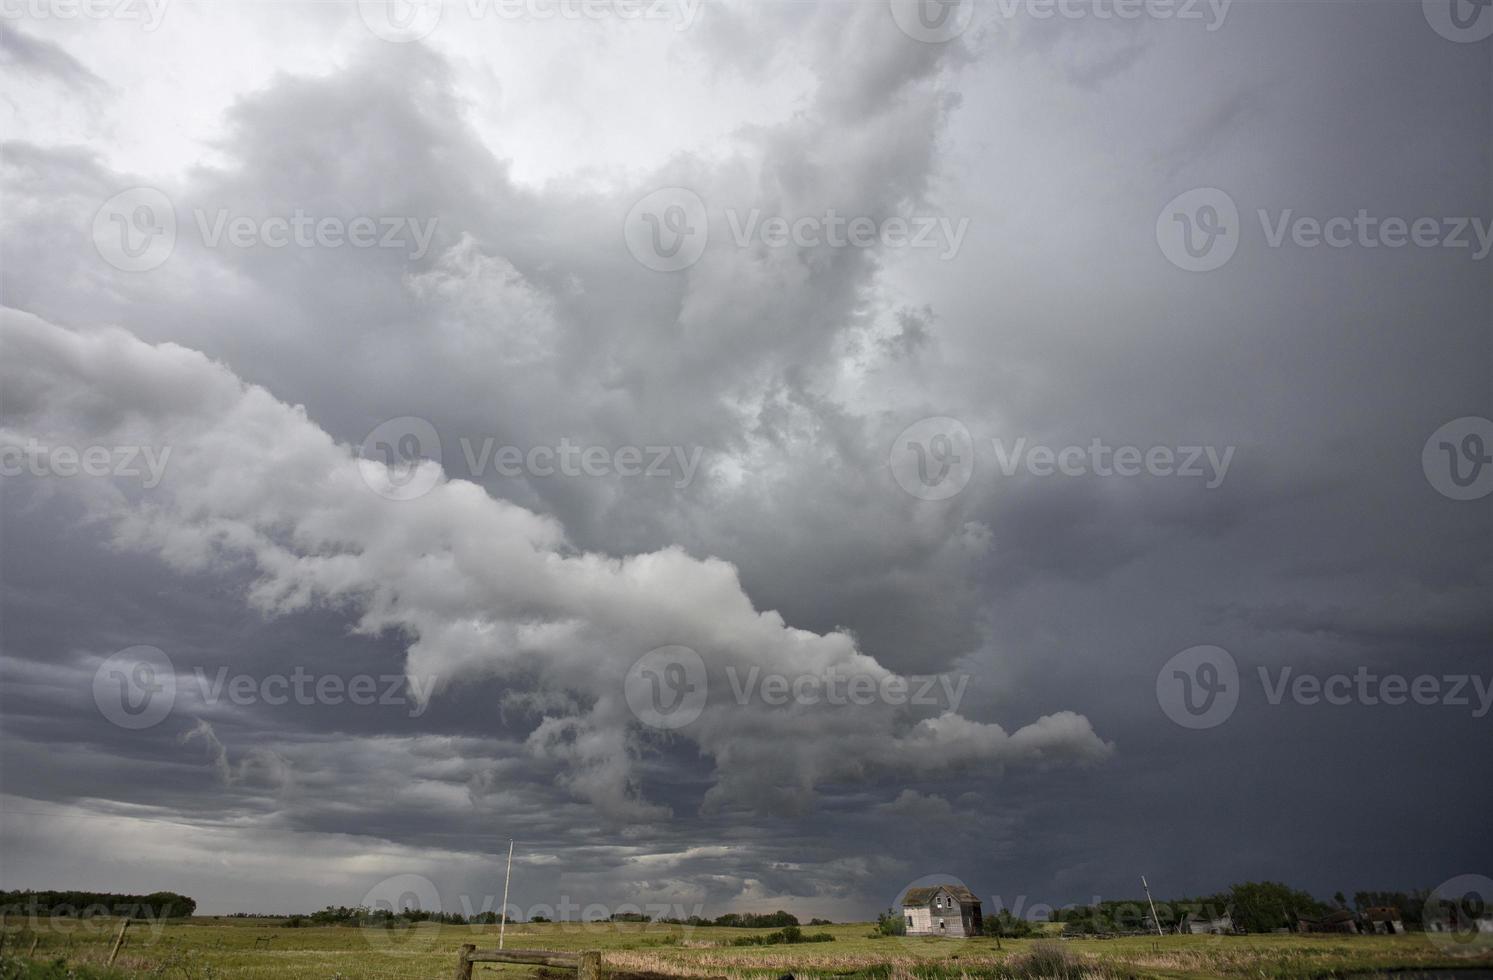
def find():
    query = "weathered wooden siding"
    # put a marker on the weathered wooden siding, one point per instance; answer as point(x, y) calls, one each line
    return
point(943, 916)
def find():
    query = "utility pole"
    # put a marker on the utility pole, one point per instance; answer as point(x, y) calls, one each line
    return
point(1155, 920)
point(506, 878)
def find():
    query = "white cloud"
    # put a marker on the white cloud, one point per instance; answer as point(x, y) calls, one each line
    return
point(479, 585)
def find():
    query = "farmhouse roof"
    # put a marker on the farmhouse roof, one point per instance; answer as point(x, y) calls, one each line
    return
point(922, 896)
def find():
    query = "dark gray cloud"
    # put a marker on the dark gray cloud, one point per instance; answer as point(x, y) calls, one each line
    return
point(792, 371)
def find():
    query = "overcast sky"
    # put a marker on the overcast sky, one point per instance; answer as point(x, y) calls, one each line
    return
point(655, 414)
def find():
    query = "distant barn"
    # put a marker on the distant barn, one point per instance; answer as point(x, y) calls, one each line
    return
point(1383, 920)
point(941, 910)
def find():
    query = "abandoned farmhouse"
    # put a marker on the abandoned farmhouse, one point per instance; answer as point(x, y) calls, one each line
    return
point(941, 910)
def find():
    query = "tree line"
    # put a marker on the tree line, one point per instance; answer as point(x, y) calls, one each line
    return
point(84, 905)
point(1252, 906)
point(360, 915)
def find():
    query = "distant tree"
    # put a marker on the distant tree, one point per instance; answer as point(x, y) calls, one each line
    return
point(749, 920)
point(890, 923)
point(1263, 906)
point(82, 904)
point(1004, 925)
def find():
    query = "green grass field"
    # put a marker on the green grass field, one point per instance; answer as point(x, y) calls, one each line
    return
point(203, 948)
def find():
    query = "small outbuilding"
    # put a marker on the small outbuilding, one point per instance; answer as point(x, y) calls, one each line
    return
point(1201, 924)
point(1336, 920)
point(942, 910)
point(1383, 920)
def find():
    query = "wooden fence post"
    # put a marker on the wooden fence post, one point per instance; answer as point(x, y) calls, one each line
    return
point(118, 940)
point(590, 967)
point(464, 965)
point(34, 937)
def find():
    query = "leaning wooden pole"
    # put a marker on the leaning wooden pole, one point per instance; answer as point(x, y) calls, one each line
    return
point(1156, 921)
point(506, 878)
point(118, 941)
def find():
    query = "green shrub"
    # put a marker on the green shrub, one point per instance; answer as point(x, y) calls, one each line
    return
point(788, 935)
point(1049, 961)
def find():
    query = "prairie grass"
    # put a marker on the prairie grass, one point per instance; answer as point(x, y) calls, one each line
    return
point(266, 949)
